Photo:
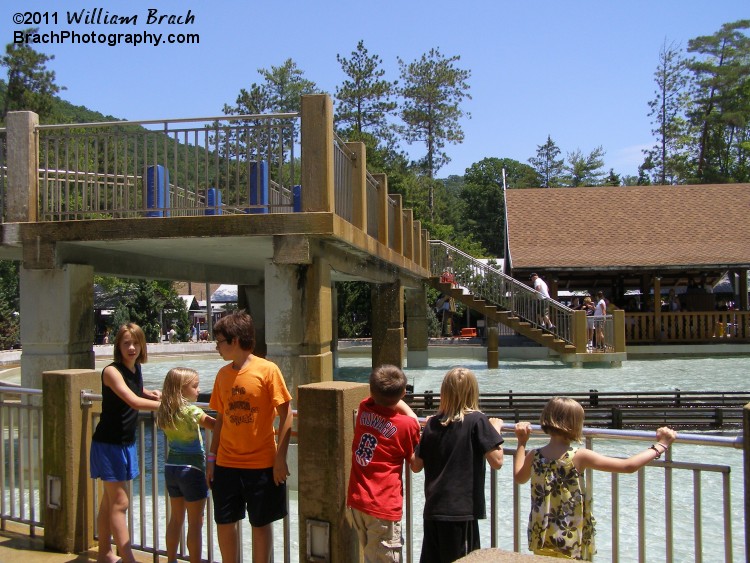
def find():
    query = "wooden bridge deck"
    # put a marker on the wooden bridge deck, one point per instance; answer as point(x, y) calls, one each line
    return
point(642, 410)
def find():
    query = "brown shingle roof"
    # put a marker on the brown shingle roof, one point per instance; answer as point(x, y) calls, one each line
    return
point(634, 226)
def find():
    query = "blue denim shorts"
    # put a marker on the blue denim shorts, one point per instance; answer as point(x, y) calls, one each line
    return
point(185, 481)
point(113, 462)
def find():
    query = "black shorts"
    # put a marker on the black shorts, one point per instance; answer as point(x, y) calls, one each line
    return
point(446, 541)
point(235, 490)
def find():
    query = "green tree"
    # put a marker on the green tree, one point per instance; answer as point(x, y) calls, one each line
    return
point(262, 138)
point(149, 304)
point(482, 197)
point(9, 304)
point(721, 103)
point(365, 97)
point(433, 89)
point(667, 109)
point(585, 170)
point(30, 86)
point(548, 166)
point(354, 309)
point(612, 179)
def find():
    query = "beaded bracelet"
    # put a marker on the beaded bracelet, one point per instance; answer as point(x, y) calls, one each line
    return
point(658, 453)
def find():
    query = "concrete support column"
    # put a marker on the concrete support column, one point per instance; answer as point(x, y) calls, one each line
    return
point(66, 427)
point(359, 185)
point(57, 323)
point(580, 331)
point(493, 351)
point(252, 298)
point(22, 194)
point(325, 455)
point(417, 338)
point(298, 321)
point(317, 153)
point(335, 324)
point(383, 208)
point(388, 324)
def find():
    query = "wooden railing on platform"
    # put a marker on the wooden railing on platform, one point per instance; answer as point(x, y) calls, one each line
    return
point(708, 326)
point(648, 409)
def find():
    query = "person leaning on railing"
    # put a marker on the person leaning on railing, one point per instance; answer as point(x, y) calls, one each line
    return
point(560, 522)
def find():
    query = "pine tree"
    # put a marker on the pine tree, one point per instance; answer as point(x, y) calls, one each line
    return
point(365, 98)
point(433, 88)
point(547, 165)
point(668, 112)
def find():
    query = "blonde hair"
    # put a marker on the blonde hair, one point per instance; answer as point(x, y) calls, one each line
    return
point(564, 416)
point(459, 395)
point(172, 399)
point(137, 334)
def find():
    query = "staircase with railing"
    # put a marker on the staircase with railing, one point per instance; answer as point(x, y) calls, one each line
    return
point(502, 299)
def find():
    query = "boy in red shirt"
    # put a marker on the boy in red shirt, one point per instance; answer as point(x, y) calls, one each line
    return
point(385, 436)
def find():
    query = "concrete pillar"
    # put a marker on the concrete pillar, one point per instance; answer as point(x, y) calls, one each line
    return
point(298, 318)
point(417, 337)
point(252, 298)
point(388, 324)
point(67, 430)
point(335, 325)
point(317, 153)
point(382, 215)
point(57, 321)
point(398, 224)
point(21, 198)
point(359, 185)
point(493, 348)
point(580, 331)
point(325, 455)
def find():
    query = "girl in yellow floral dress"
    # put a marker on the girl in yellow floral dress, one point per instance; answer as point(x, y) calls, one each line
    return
point(560, 523)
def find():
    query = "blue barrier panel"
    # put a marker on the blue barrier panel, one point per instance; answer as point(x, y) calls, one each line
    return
point(213, 202)
point(297, 198)
point(157, 191)
point(258, 187)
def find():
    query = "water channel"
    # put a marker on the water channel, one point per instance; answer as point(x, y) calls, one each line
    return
point(693, 374)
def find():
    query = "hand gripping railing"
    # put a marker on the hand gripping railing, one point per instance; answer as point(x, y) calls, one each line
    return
point(489, 284)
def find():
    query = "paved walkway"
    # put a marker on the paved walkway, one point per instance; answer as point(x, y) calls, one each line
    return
point(19, 548)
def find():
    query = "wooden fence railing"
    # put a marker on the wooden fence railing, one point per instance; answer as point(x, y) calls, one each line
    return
point(688, 327)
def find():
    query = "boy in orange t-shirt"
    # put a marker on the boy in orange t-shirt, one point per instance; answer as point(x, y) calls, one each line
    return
point(245, 467)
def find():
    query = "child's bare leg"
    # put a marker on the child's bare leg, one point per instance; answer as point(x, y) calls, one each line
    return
point(174, 527)
point(195, 512)
point(105, 555)
point(227, 536)
point(262, 543)
point(117, 498)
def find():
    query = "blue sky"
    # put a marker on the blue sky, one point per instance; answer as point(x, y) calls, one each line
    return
point(580, 71)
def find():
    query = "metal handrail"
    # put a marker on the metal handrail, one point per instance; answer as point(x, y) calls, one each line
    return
point(495, 287)
point(263, 116)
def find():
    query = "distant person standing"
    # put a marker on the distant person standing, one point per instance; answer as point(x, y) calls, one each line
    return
point(600, 314)
point(541, 286)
